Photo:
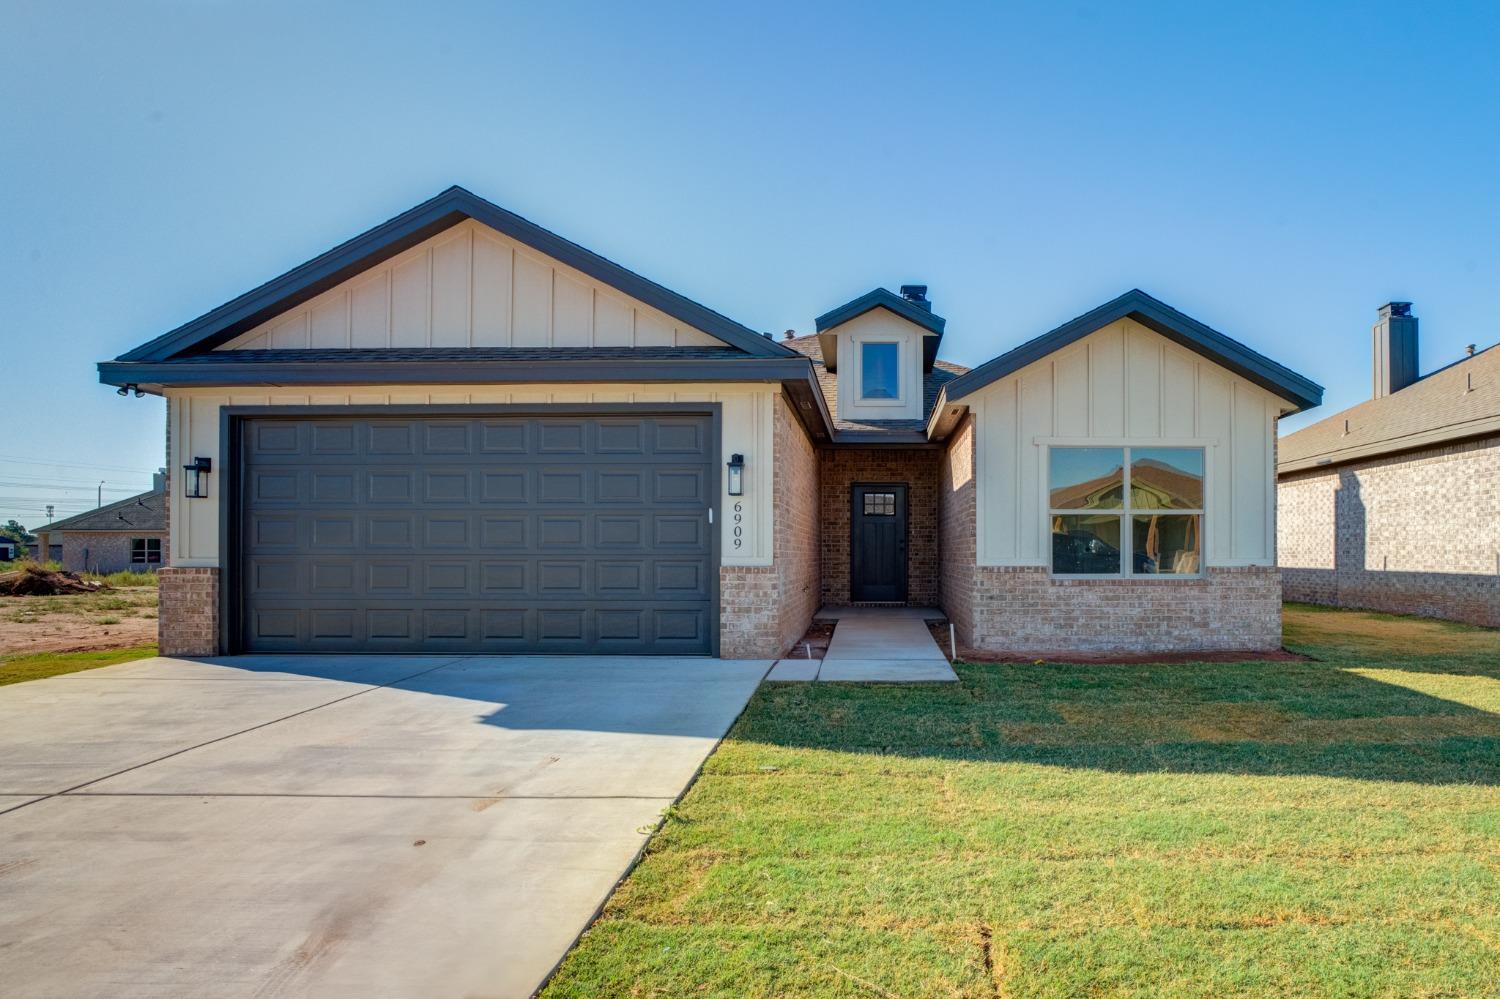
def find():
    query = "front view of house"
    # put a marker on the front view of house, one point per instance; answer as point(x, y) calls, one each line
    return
point(459, 432)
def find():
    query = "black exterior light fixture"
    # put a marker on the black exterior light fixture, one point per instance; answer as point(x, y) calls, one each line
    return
point(195, 486)
point(736, 475)
point(125, 390)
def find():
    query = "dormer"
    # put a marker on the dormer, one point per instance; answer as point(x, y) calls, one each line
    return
point(886, 343)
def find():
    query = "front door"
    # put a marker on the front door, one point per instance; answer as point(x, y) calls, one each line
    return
point(877, 549)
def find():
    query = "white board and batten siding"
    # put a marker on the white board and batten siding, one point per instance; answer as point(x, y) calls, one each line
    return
point(471, 286)
point(1125, 384)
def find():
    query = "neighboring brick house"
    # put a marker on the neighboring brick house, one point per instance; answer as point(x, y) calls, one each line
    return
point(459, 432)
point(128, 535)
point(1394, 504)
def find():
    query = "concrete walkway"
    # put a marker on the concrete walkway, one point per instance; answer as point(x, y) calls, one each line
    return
point(331, 826)
point(874, 645)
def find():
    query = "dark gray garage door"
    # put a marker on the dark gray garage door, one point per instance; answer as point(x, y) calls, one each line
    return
point(550, 534)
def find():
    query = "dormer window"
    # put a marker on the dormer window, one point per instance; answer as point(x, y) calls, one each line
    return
point(879, 378)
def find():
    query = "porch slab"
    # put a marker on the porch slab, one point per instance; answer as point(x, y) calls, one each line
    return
point(887, 671)
point(883, 645)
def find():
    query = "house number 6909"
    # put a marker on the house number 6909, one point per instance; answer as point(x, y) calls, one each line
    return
point(739, 519)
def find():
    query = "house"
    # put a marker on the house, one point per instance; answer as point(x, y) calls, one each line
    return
point(126, 536)
point(459, 432)
point(1394, 504)
point(11, 550)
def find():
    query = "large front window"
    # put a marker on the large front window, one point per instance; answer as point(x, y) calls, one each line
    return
point(1126, 511)
point(878, 376)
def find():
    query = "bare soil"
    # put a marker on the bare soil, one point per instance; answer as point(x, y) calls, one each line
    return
point(819, 634)
point(85, 622)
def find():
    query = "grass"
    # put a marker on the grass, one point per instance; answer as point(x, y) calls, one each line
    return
point(1322, 828)
point(104, 607)
point(37, 666)
point(125, 579)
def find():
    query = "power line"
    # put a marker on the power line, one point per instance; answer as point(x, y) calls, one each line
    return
point(67, 487)
point(56, 480)
point(73, 464)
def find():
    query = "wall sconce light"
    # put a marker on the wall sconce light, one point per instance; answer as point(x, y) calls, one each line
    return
point(736, 475)
point(195, 486)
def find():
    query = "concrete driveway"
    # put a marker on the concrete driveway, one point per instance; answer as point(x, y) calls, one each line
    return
point(333, 825)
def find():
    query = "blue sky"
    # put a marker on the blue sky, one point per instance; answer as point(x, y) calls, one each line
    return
point(1277, 171)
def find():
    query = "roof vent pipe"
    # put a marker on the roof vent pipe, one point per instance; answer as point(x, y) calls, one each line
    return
point(1394, 353)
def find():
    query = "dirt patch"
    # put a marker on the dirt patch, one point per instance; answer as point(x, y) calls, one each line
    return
point(819, 634)
point(38, 581)
point(938, 629)
point(85, 622)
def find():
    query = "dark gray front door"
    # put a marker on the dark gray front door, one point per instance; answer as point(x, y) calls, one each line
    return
point(525, 533)
point(877, 548)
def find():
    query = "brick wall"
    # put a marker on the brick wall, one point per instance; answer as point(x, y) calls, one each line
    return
point(188, 621)
point(839, 469)
point(101, 551)
point(956, 539)
point(1417, 533)
point(764, 609)
point(1025, 609)
point(798, 528)
point(166, 539)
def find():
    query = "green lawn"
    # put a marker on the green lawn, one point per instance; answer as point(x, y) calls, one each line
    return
point(1325, 828)
point(36, 666)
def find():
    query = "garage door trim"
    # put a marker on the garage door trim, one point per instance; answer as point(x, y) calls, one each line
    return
point(232, 461)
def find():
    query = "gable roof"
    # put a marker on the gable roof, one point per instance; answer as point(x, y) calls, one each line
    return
point(1458, 402)
point(880, 298)
point(145, 513)
point(410, 228)
point(1165, 320)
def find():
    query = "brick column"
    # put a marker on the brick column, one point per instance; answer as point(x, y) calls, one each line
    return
point(188, 619)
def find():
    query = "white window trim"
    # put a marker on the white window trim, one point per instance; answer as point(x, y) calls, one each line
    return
point(899, 399)
point(1127, 560)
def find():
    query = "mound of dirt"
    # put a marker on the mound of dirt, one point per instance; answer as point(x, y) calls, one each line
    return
point(38, 581)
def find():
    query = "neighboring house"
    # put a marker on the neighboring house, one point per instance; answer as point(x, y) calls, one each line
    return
point(459, 432)
point(11, 550)
point(128, 535)
point(1394, 504)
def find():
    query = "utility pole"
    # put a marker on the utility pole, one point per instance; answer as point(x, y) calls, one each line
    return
point(100, 501)
point(49, 514)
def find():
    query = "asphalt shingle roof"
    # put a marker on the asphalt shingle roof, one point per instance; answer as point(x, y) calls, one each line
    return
point(146, 512)
point(1453, 403)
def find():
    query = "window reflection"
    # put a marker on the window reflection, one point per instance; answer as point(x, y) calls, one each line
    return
point(1087, 478)
point(1166, 478)
point(878, 371)
point(1167, 544)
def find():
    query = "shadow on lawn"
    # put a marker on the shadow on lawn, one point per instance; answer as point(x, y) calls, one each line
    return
point(1388, 698)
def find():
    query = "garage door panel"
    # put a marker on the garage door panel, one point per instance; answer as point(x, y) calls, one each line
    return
point(332, 439)
point(467, 535)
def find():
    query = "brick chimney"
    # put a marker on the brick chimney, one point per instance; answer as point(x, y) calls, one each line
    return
point(1394, 354)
